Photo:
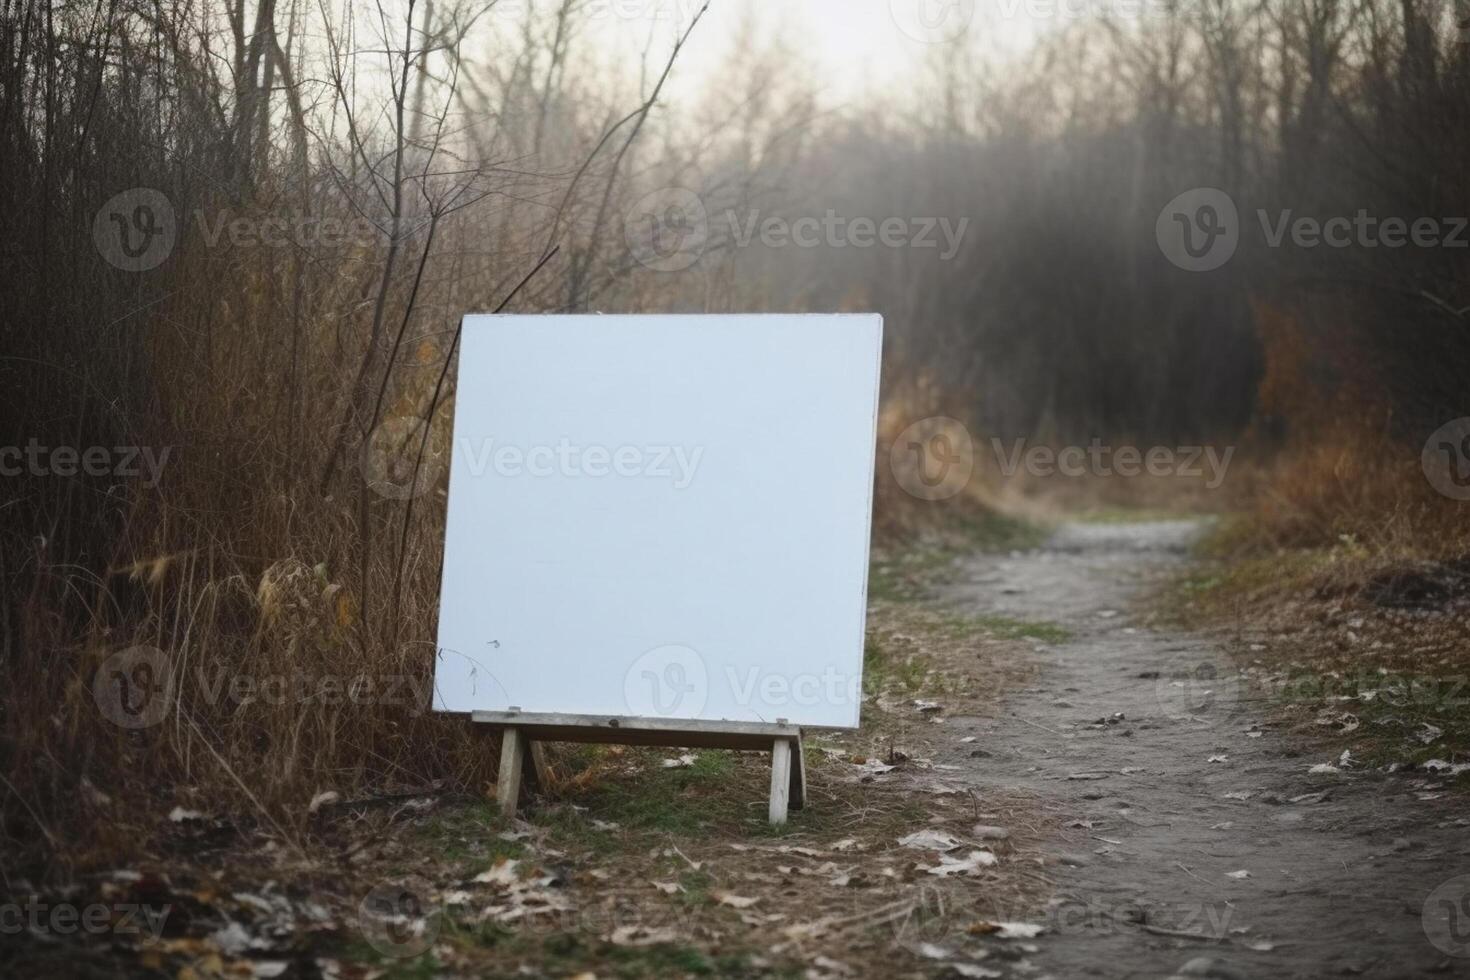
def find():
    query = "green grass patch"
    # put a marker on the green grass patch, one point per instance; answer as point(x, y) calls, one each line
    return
point(1206, 592)
point(1005, 628)
point(683, 801)
point(468, 834)
point(885, 668)
point(569, 954)
point(1131, 515)
point(425, 966)
point(907, 571)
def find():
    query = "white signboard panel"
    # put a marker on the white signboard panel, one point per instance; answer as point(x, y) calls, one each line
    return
point(660, 516)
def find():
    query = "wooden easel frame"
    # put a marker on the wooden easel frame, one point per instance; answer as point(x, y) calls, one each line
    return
point(522, 758)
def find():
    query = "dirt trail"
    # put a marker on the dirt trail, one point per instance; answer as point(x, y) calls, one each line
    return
point(1335, 886)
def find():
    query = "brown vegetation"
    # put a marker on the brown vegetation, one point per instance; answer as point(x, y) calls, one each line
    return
point(302, 389)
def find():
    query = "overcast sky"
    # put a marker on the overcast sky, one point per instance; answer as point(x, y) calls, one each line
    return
point(851, 46)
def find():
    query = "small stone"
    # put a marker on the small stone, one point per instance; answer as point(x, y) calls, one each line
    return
point(1204, 966)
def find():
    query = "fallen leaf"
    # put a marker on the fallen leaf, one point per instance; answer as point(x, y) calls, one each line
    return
point(950, 865)
point(1007, 930)
point(930, 840)
point(975, 970)
point(831, 965)
point(734, 901)
point(503, 872)
point(640, 936)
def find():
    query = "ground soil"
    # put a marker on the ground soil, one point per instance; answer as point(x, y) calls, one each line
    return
point(1132, 737)
point(1142, 814)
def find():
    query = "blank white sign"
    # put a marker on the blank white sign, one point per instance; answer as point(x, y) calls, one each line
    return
point(660, 516)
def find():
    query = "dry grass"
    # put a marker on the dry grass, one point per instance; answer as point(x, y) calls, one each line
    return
point(1343, 581)
point(626, 867)
point(277, 584)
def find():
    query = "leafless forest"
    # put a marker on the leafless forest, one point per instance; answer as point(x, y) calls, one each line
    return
point(262, 339)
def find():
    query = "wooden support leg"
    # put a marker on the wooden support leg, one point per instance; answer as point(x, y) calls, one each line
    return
point(512, 759)
point(798, 775)
point(540, 767)
point(780, 779)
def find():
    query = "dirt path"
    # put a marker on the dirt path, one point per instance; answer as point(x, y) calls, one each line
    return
point(1336, 886)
